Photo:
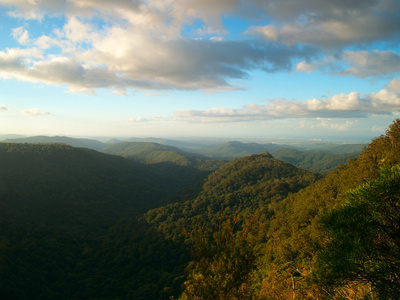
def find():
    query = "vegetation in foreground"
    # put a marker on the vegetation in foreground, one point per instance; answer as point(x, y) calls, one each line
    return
point(78, 224)
point(335, 239)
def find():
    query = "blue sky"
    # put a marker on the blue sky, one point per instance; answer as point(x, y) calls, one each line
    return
point(326, 69)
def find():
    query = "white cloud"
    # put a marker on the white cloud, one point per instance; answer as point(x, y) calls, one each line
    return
point(217, 115)
point(34, 112)
point(145, 62)
point(352, 105)
point(362, 64)
point(330, 33)
point(21, 35)
point(3, 108)
point(139, 44)
point(145, 120)
point(34, 10)
point(120, 92)
point(305, 67)
point(76, 31)
point(12, 61)
point(138, 120)
point(394, 85)
point(330, 24)
point(330, 124)
point(375, 63)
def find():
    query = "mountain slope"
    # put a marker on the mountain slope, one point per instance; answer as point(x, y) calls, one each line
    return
point(85, 143)
point(186, 146)
point(277, 254)
point(150, 153)
point(186, 168)
point(45, 178)
point(234, 149)
point(71, 225)
point(240, 186)
point(318, 162)
point(10, 136)
point(295, 234)
point(58, 207)
point(333, 148)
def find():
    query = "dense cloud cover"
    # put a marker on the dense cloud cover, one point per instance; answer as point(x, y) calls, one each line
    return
point(197, 45)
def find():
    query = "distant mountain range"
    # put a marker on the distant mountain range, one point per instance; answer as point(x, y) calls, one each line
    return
point(10, 136)
point(320, 158)
point(318, 162)
point(74, 142)
point(234, 149)
point(332, 148)
point(150, 153)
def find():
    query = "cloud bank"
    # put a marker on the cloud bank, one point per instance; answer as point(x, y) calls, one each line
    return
point(352, 105)
point(125, 44)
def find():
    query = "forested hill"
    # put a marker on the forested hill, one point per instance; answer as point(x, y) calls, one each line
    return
point(86, 143)
point(332, 148)
point(59, 206)
point(188, 169)
point(76, 224)
point(240, 186)
point(235, 149)
point(50, 179)
point(335, 239)
point(154, 153)
point(318, 162)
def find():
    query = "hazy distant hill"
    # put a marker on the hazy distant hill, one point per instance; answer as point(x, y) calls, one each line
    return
point(74, 142)
point(148, 153)
point(234, 149)
point(10, 136)
point(187, 146)
point(318, 162)
point(332, 148)
point(153, 153)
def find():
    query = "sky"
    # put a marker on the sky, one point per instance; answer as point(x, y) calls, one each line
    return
point(307, 69)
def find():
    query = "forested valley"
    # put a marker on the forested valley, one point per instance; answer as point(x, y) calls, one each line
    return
point(138, 220)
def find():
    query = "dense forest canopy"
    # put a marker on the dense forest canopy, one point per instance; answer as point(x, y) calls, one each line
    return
point(79, 224)
point(300, 254)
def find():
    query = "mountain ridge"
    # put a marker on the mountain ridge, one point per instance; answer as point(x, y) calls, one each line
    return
point(75, 142)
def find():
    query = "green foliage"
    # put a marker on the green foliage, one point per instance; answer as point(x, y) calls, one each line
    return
point(61, 234)
point(148, 153)
point(295, 234)
point(222, 261)
point(364, 237)
point(188, 169)
point(153, 153)
point(317, 162)
point(133, 261)
point(76, 224)
point(242, 186)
